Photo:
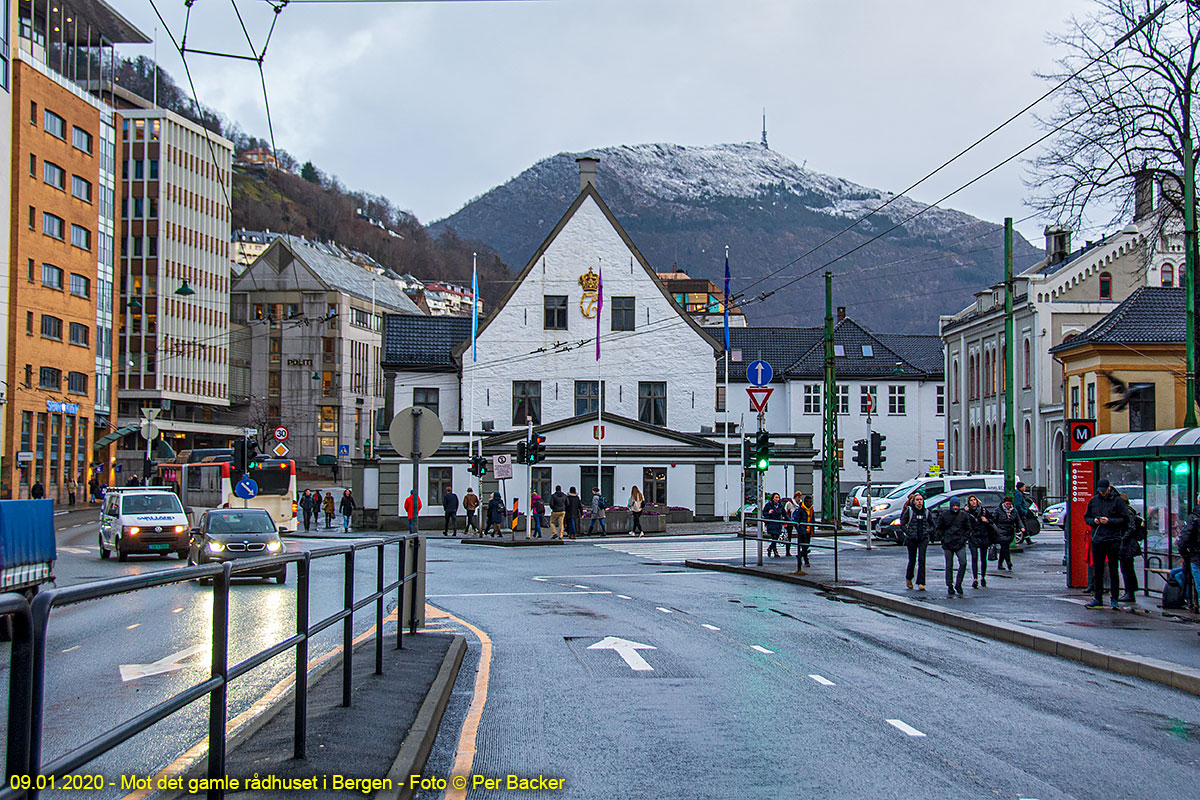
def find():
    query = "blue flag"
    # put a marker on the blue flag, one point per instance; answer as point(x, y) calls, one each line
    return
point(726, 303)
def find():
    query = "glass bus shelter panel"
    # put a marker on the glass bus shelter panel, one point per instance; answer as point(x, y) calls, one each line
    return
point(1158, 514)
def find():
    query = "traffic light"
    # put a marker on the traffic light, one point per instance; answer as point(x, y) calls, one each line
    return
point(523, 452)
point(367, 448)
point(762, 451)
point(478, 466)
point(239, 456)
point(877, 448)
point(861, 456)
point(537, 448)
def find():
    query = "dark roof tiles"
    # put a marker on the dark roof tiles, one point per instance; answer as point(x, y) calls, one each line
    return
point(421, 341)
point(1151, 315)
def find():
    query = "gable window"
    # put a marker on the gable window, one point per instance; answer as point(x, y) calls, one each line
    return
point(868, 351)
point(866, 398)
point(54, 124)
point(897, 401)
point(54, 175)
point(940, 401)
point(652, 402)
point(587, 397)
point(51, 327)
point(812, 398)
point(555, 312)
point(622, 313)
point(425, 398)
point(1168, 275)
point(1105, 286)
point(526, 402)
point(843, 398)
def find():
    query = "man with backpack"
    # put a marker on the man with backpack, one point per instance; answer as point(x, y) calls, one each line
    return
point(597, 511)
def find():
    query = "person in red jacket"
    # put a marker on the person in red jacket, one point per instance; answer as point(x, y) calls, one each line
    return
point(408, 511)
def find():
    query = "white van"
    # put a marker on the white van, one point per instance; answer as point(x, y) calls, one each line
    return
point(928, 486)
point(143, 519)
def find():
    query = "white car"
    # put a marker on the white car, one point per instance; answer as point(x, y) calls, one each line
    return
point(1053, 518)
point(929, 486)
point(148, 520)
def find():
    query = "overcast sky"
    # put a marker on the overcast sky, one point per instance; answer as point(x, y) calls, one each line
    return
point(434, 103)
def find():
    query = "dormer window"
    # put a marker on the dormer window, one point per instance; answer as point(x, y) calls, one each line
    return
point(1105, 286)
point(839, 350)
point(868, 351)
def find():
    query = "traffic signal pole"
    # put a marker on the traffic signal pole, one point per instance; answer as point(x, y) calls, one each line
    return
point(759, 492)
point(1010, 434)
point(529, 477)
point(830, 482)
point(870, 498)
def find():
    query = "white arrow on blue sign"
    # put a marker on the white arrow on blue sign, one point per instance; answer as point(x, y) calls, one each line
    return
point(759, 373)
point(246, 488)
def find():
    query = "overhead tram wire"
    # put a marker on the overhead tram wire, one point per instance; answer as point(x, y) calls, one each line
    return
point(1141, 24)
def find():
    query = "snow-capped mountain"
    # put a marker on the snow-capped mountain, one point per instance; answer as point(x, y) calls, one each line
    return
point(682, 205)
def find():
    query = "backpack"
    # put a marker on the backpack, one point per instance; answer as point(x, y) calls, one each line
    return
point(1172, 596)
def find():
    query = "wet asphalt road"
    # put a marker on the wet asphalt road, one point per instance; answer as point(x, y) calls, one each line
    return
point(760, 689)
point(86, 692)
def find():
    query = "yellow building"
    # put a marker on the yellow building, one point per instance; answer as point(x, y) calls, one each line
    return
point(1129, 370)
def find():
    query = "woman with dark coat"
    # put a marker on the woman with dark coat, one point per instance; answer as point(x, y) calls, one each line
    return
point(495, 514)
point(955, 529)
point(774, 514)
point(915, 523)
point(803, 517)
point(574, 513)
point(980, 540)
point(347, 508)
point(1008, 524)
point(1131, 548)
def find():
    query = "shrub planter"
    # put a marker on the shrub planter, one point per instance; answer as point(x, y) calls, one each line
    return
point(618, 519)
point(677, 515)
point(654, 523)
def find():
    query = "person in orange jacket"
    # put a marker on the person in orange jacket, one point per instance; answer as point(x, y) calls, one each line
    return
point(408, 510)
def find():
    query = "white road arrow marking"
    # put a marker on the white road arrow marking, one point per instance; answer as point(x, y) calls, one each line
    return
point(131, 672)
point(627, 650)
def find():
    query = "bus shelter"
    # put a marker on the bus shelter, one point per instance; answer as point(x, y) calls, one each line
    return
point(1157, 470)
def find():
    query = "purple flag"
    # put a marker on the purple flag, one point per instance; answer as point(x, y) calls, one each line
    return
point(599, 308)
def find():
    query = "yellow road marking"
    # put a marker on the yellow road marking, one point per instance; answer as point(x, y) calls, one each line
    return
point(199, 750)
point(465, 755)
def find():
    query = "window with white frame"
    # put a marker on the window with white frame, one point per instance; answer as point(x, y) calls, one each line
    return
point(812, 398)
point(843, 398)
point(866, 396)
point(941, 400)
point(897, 401)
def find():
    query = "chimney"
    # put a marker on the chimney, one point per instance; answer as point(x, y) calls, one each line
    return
point(1143, 193)
point(587, 171)
point(1058, 244)
point(841, 313)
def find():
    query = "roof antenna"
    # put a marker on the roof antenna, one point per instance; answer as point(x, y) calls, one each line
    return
point(764, 137)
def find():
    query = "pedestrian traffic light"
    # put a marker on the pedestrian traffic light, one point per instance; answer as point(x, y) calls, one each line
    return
point(523, 452)
point(239, 456)
point(367, 448)
point(478, 466)
point(762, 451)
point(877, 448)
point(861, 455)
point(537, 448)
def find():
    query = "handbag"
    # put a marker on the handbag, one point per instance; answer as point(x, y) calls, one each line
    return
point(993, 553)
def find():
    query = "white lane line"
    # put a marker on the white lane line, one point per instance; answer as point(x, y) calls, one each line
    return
point(176, 610)
point(80, 525)
point(69, 649)
point(822, 680)
point(581, 586)
point(901, 725)
point(664, 610)
point(539, 579)
point(131, 627)
point(624, 597)
point(710, 627)
point(761, 649)
point(512, 594)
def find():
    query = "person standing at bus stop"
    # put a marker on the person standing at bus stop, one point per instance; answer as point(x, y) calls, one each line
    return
point(1106, 515)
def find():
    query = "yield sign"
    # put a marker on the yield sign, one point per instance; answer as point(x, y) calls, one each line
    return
point(759, 396)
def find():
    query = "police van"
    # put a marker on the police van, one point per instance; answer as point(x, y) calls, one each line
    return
point(148, 520)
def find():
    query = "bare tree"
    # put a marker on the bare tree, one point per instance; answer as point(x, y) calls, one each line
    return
point(1130, 108)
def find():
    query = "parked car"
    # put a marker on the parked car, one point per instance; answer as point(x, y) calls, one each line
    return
point(890, 527)
point(1054, 515)
point(930, 486)
point(227, 534)
point(855, 501)
point(148, 520)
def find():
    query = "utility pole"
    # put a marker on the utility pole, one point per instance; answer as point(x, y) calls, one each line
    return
point(870, 498)
point(830, 482)
point(1189, 234)
point(1010, 435)
point(529, 477)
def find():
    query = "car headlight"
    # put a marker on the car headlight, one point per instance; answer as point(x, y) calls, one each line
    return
point(180, 528)
point(215, 547)
point(132, 530)
point(896, 521)
point(879, 507)
point(275, 546)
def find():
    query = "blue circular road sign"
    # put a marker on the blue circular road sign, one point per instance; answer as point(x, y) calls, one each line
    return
point(246, 488)
point(759, 373)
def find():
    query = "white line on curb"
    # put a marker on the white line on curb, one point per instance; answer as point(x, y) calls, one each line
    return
point(581, 586)
point(69, 649)
point(822, 680)
point(710, 627)
point(131, 627)
point(900, 724)
point(624, 597)
point(761, 649)
point(665, 610)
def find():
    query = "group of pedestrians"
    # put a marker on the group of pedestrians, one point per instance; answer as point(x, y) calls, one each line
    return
point(961, 529)
point(312, 504)
point(1116, 539)
point(785, 518)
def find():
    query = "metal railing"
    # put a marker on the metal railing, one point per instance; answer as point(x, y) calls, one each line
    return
point(824, 530)
point(27, 690)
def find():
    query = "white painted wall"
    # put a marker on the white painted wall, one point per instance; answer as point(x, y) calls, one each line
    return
point(448, 397)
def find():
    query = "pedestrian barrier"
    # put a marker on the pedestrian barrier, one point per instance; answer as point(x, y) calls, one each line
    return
point(30, 624)
point(822, 529)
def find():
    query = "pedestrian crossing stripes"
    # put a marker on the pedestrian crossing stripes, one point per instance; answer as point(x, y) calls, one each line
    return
point(676, 551)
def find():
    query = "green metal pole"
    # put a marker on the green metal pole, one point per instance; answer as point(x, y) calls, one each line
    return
point(1189, 223)
point(830, 480)
point(1010, 435)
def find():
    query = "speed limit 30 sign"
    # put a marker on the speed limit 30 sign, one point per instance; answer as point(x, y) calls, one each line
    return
point(280, 433)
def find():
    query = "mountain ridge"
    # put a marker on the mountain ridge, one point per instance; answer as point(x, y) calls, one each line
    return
point(681, 204)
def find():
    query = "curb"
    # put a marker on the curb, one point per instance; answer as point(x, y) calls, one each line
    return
point(1176, 676)
point(415, 749)
point(512, 542)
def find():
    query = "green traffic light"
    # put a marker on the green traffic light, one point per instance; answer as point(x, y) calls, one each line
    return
point(762, 464)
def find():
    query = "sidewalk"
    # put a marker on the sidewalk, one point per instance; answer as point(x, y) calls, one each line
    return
point(1033, 596)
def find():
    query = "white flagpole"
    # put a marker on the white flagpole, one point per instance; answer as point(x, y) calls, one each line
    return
point(725, 301)
point(599, 388)
point(471, 401)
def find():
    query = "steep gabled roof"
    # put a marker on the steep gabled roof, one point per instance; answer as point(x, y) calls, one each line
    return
point(779, 347)
point(590, 191)
point(419, 341)
point(1151, 315)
